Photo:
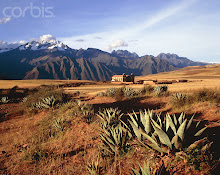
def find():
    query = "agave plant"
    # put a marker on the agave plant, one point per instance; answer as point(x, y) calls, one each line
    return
point(49, 101)
point(94, 168)
point(59, 123)
point(111, 92)
point(4, 100)
point(143, 170)
point(146, 170)
point(163, 135)
point(44, 103)
point(129, 92)
point(110, 117)
point(160, 90)
point(115, 140)
point(85, 108)
point(37, 105)
point(179, 98)
point(139, 91)
point(101, 94)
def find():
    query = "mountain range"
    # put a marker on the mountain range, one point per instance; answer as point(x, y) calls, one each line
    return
point(55, 60)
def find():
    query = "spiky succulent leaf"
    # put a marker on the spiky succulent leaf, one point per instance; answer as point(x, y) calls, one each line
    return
point(177, 142)
point(147, 124)
point(175, 120)
point(181, 130)
point(170, 123)
point(159, 119)
point(190, 122)
point(155, 123)
point(180, 119)
point(136, 130)
point(200, 131)
point(162, 136)
point(153, 143)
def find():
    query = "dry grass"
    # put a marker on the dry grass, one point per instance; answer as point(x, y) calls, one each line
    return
point(29, 144)
point(198, 77)
point(6, 84)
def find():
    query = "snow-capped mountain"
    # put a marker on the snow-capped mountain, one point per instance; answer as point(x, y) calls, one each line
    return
point(42, 45)
point(34, 45)
point(5, 49)
point(5, 46)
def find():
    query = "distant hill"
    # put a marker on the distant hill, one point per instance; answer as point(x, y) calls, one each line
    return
point(207, 72)
point(55, 60)
point(179, 62)
point(124, 54)
point(4, 78)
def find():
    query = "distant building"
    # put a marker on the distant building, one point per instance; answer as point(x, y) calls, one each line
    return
point(123, 78)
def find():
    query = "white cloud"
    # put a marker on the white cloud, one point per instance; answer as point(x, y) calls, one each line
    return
point(47, 38)
point(116, 44)
point(80, 40)
point(160, 16)
point(5, 20)
point(6, 45)
point(134, 32)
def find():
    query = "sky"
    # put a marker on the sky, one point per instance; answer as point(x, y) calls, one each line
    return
point(188, 28)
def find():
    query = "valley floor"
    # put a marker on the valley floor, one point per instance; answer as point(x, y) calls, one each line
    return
point(30, 145)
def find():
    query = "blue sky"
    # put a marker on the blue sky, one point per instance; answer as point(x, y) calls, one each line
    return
point(189, 28)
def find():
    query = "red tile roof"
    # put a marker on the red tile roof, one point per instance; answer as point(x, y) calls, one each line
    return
point(117, 76)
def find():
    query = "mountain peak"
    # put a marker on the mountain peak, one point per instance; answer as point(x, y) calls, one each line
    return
point(124, 53)
point(178, 61)
point(42, 45)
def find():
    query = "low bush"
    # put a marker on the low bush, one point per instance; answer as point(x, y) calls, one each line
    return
point(201, 95)
point(147, 89)
point(44, 98)
point(120, 93)
point(199, 155)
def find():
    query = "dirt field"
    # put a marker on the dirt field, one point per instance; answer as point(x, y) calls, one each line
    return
point(65, 139)
point(198, 77)
point(6, 84)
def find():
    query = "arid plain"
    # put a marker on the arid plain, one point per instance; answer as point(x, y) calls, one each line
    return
point(68, 135)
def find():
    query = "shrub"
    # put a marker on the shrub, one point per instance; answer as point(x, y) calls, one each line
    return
point(160, 90)
point(82, 108)
point(139, 91)
point(199, 155)
point(44, 98)
point(101, 94)
point(147, 89)
point(36, 153)
point(119, 95)
point(205, 94)
point(51, 127)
